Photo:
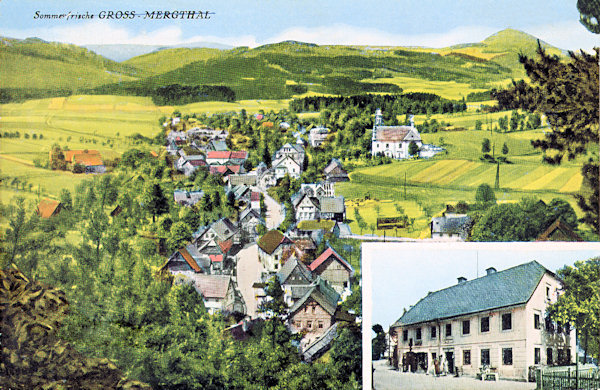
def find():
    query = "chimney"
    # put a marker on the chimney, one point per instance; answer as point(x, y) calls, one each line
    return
point(462, 279)
point(491, 270)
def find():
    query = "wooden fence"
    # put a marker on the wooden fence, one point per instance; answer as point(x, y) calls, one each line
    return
point(567, 380)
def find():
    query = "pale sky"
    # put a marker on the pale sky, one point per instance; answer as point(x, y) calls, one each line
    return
point(252, 23)
point(402, 274)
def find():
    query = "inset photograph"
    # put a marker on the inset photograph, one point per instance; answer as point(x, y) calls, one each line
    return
point(472, 316)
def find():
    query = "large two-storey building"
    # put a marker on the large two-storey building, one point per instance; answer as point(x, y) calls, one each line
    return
point(497, 321)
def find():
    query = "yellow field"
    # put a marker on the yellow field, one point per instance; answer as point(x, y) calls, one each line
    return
point(574, 184)
point(446, 89)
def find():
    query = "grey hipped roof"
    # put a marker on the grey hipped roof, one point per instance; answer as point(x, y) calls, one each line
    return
point(451, 223)
point(510, 287)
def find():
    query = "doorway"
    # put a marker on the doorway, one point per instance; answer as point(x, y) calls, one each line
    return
point(450, 360)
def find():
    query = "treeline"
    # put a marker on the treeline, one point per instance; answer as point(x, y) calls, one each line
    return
point(15, 95)
point(397, 104)
point(174, 94)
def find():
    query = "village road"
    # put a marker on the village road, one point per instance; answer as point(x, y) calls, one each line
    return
point(248, 271)
point(274, 212)
point(386, 378)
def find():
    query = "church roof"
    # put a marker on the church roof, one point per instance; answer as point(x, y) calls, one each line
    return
point(396, 134)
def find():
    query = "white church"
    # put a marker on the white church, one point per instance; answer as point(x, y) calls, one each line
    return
point(393, 141)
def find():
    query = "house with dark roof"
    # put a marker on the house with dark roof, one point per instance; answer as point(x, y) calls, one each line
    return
point(187, 198)
point(453, 227)
point(497, 321)
point(48, 208)
point(335, 172)
point(393, 141)
point(295, 278)
point(317, 135)
point(310, 207)
point(249, 220)
point(333, 268)
point(314, 312)
point(271, 247)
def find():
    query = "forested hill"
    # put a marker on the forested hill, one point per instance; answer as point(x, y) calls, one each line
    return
point(274, 71)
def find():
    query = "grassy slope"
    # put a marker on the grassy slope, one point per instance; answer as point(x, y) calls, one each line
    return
point(163, 61)
point(33, 63)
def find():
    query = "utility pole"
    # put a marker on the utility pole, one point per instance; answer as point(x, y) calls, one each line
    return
point(405, 185)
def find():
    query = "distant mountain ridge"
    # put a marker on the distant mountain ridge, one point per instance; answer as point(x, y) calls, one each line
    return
point(123, 52)
point(271, 71)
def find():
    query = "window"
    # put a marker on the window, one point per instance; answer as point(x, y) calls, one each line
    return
point(549, 359)
point(433, 332)
point(448, 330)
point(485, 357)
point(466, 358)
point(309, 324)
point(485, 324)
point(536, 321)
point(320, 324)
point(418, 333)
point(314, 309)
point(405, 335)
point(537, 356)
point(507, 356)
point(549, 325)
point(466, 327)
point(433, 355)
point(506, 321)
point(547, 292)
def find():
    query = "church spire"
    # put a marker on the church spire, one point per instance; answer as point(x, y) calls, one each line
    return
point(378, 118)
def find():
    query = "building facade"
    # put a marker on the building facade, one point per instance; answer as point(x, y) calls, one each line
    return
point(393, 141)
point(496, 321)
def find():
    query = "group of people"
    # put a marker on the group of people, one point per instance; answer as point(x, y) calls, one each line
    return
point(438, 367)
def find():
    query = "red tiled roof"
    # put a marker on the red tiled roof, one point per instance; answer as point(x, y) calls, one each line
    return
point(218, 154)
point(47, 208)
point(267, 124)
point(216, 258)
point(153, 153)
point(189, 259)
point(239, 154)
point(87, 160)
point(255, 196)
point(197, 163)
point(70, 153)
point(329, 252)
point(225, 245)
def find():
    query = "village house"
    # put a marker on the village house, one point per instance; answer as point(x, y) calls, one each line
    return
point(219, 293)
point(187, 198)
point(48, 208)
point(226, 170)
point(249, 220)
point(216, 146)
point(497, 321)
point(309, 207)
point(90, 158)
point(289, 159)
point(187, 261)
point(295, 279)
point(218, 242)
point(189, 164)
point(333, 268)
point(271, 246)
point(450, 226)
point(335, 172)
point(226, 157)
point(317, 135)
point(322, 188)
point(314, 312)
point(248, 179)
point(393, 141)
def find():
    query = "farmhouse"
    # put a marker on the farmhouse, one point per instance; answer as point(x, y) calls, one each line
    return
point(454, 227)
point(226, 157)
point(393, 141)
point(91, 159)
point(187, 198)
point(219, 293)
point(289, 159)
point(309, 207)
point(497, 321)
point(295, 279)
point(48, 208)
